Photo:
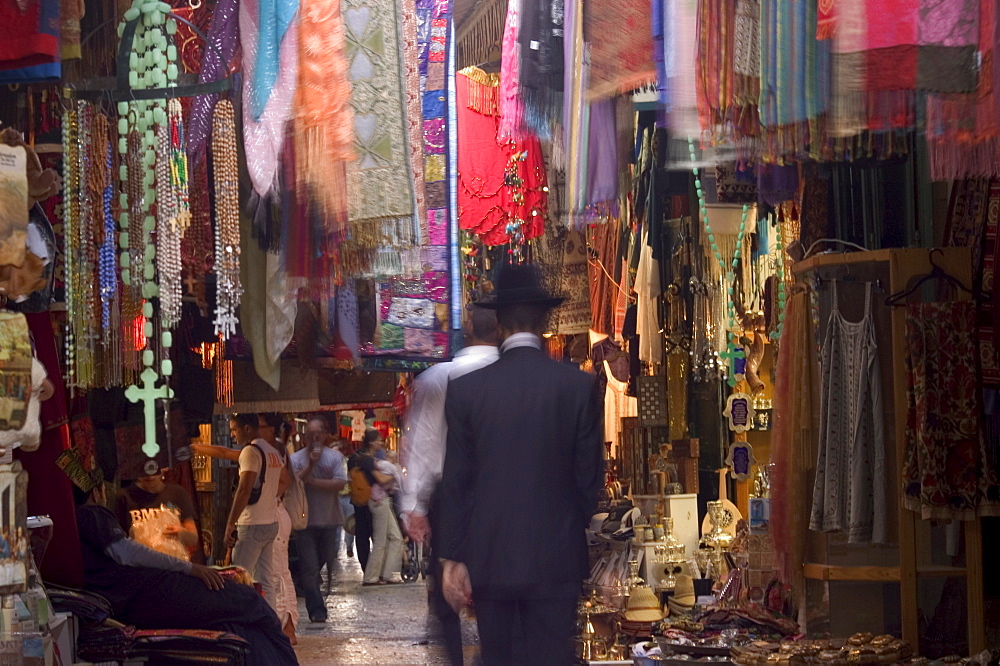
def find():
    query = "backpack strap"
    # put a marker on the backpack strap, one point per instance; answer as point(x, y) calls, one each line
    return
point(263, 466)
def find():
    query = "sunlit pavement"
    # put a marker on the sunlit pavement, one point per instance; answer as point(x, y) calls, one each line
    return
point(385, 624)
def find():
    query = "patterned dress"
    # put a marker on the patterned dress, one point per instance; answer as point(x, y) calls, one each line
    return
point(849, 494)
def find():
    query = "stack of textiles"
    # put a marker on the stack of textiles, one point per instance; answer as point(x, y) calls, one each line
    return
point(108, 642)
point(183, 645)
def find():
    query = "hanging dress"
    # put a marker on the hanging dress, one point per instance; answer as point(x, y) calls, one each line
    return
point(849, 494)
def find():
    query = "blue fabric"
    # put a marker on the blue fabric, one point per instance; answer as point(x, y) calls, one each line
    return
point(274, 19)
point(47, 73)
point(434, 104)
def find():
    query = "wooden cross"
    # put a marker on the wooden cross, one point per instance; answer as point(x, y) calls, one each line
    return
point(148, 394)
point(191, 282)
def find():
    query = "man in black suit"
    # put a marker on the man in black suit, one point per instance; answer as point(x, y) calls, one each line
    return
point(523, 467)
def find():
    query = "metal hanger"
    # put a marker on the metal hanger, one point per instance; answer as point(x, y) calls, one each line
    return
point(936, 273)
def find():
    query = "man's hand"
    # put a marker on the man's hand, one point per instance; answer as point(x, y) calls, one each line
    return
point(314, 454)
point(210, 577)
point(455, 585)
point(231, 535)
point(417, 526)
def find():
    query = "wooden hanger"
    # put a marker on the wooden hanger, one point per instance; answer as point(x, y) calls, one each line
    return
point(936, 273)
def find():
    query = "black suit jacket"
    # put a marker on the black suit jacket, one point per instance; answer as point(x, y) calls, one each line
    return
point(523, 467)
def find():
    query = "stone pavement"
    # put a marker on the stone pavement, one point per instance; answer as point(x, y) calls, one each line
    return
point(387, 624)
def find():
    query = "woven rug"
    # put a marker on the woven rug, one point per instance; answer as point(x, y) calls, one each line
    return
point(989, 309)
point(379, 181)
point(620, 36)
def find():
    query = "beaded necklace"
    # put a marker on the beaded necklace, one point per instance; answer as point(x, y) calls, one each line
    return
point(71, 215)
point(733, 352)
point(227, 220)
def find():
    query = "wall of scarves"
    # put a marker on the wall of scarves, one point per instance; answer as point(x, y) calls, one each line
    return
point(751, 81)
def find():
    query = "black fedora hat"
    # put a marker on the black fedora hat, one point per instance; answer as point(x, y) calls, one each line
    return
point(520, 284)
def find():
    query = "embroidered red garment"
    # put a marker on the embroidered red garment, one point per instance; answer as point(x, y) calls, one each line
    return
point(24, 41)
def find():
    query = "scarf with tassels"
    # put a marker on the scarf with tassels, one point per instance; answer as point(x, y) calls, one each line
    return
point(540, 41)
point(324, 122)
point(963, 130)
point(511, 106)
point(619, 35)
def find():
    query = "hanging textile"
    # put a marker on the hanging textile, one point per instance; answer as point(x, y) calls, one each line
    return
point(414, 117)
point(29, 36)
point(680, 30)
point(264, 133)
point(379, 182)
point(796, 409)
point(222, 38)
point(794, 84)
point(274, 18)
point(575, 114)
point(501, 195)
point(324, 120)
point(602, 157)
point(603, 241)
point(963, 130)
point(511, 106)
point(988, 310)
point(619, 37)
point(948, 473)
point(574, 313)
point(70, 13)
point(849, 494)
point(540, 38)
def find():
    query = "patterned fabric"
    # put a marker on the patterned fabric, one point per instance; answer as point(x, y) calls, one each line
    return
point(574, 313)
point(620, 36)
point(948, 473)
point(379, 183)
point(849, 493)
point(989, 308)
point(735, 183)
point(511, 107)
point(414, 118)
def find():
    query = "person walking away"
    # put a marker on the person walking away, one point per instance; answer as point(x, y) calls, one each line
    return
point(321, 469)
point(361, 485)
point(522, 470)
point(253, 518)
point(346, 508)
point(272, 430)
point(151, 590)
point(386, 558)
point(426, 431)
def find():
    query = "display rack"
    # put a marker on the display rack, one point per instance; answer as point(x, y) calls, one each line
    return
point(914, 559)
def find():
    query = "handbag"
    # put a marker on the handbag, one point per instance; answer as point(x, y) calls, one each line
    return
point(296, 503)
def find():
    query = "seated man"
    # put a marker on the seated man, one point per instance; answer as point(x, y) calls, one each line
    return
point(154, 591)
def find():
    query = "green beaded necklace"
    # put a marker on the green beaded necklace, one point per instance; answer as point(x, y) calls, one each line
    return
point(152, 66)
point(733, 351)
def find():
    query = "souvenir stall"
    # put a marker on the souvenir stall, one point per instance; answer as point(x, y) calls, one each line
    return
point(713, 177)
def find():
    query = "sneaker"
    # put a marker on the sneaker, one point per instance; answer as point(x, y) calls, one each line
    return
point(395, 579)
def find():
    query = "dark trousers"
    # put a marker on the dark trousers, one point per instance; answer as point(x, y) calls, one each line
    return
point(183, 602)
point(363, 530)
point(526, 631)
point(451, 623)
point(316, 546)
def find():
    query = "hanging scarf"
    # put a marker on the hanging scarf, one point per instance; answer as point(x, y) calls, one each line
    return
point(963, 130)
point(541, 46)
point(680, 45)
point(619, 35)
point(264, 136)
point(511, 106)
point(324, 123)
point(222, 37)
point(275, 17)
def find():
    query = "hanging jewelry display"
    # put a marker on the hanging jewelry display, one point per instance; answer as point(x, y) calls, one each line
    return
point(227, 219)
point(71, 215)
point(733, 353)
point(152, 66)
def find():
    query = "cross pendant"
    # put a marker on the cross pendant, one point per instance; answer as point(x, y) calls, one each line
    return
point(149, 394)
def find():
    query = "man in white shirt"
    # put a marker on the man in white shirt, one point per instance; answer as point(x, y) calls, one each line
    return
point(253, 518)
point(426, 434)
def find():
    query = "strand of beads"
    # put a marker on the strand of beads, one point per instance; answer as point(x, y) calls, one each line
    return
point(779, 272)
point(71, 178)
point(108, 269)
point(168, 236)
point(88, 195)
point(733, 351)
point(227, 219)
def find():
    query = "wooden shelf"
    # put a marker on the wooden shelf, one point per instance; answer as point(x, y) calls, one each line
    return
point(844, 573)
point(941, 571)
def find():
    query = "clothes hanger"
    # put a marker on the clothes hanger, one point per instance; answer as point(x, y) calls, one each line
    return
point(936, 273)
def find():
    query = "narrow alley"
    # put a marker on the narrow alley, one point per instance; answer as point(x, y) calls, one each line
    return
point(375, 625)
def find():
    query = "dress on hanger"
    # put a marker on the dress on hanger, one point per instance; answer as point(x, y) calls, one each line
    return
point(849, 493)
point(617, 405)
